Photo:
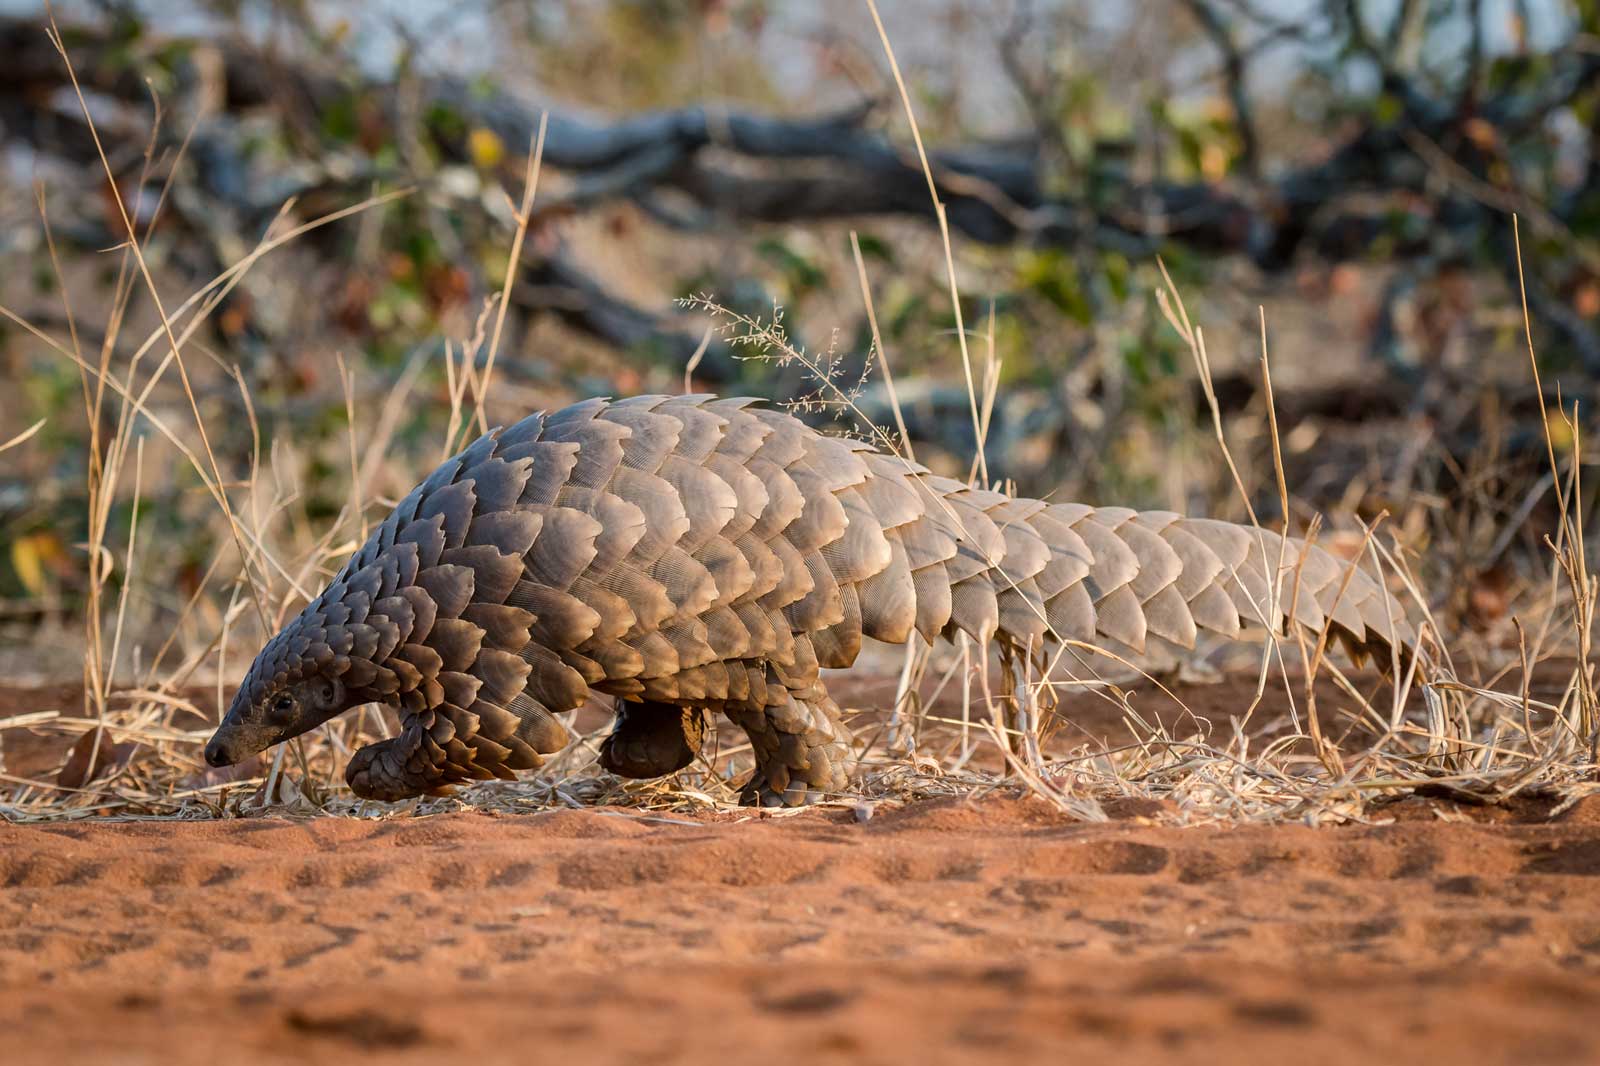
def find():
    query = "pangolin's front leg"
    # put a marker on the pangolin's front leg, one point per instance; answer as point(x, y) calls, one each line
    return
point(653, 739)
point(398, 768)
point(433, 751)
point(802, 750)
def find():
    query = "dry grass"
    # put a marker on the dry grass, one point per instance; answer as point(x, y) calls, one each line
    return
point(1486, 741)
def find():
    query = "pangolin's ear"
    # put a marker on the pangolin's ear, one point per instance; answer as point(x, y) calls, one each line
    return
point(326, 694)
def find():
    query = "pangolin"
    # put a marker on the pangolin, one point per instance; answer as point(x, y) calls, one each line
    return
point(687, 555)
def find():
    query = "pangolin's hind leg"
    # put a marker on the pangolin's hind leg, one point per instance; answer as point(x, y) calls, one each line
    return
point(802, 749)
point(653, 739)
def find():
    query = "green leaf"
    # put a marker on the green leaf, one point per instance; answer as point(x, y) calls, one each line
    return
point(875, 247)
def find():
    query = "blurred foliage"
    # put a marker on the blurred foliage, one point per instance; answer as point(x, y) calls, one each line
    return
point(1109, 100)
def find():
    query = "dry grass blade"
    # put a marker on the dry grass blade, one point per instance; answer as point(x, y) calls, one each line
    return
point(24, 436)
point(524, 214)
point(166, 322)
point(944, 237)
point(878, 349)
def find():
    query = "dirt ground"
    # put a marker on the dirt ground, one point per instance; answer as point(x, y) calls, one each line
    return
point(943, 931)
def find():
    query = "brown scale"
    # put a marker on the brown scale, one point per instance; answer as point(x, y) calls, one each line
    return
point(688, 556)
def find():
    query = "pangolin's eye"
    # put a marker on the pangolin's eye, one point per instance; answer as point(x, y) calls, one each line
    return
point(283, 704)
point(327, 692)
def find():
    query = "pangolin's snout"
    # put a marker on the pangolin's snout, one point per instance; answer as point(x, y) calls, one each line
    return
point(224, 749)
point(217, 753)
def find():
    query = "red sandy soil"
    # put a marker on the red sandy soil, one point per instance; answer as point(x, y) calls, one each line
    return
point(946, 931)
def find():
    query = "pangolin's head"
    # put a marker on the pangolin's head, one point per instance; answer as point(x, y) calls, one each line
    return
point(294, 685)
point(333, 656)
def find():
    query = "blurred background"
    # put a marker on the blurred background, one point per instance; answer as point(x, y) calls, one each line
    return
point(1347, 170)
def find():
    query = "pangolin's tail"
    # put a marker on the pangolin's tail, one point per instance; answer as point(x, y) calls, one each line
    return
point(1032, 573)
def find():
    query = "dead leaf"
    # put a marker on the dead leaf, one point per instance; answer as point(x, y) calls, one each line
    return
point(1489, 598)
point(108, 759)
point(485, 148)
point(1482, 133)
point(38, 558)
